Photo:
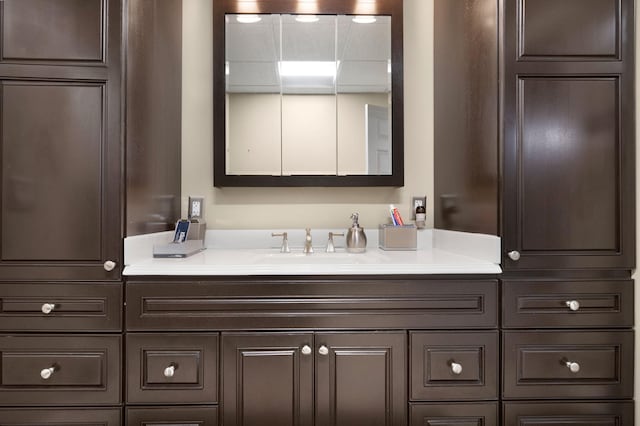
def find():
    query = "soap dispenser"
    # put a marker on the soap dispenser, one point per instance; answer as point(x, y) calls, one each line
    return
point(356, 239)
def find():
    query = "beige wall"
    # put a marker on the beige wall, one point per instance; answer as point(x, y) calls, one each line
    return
point(254, 208)
point(308, 135)
point(255, 134)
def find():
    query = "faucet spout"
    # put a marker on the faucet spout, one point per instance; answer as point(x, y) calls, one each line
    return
point(308, 247)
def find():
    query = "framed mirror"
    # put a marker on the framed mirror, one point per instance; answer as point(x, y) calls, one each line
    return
point(308, 93)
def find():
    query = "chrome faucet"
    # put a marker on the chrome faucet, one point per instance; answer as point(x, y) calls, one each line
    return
point(308, 247)
point(285, 241)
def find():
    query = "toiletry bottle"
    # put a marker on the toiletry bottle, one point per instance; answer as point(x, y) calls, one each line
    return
point(356, 239)
point(421, 217)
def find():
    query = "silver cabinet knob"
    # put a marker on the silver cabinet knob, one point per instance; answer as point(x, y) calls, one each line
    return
point(170, 371)
point(323, 350)
point(47, 308)
point(456, 368)
point(46, 373)
point(574, 367)
point(109, 265)
point(514, 255)
point(574, 305)
point(306, 350)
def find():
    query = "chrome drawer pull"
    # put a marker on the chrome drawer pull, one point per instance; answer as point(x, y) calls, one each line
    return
point(574, 305)
point(170, 371)
point(109, 265)
point(456, 368)
point(323, 350)
point(514, 255)
point(46, 373)
point(574, 367)
point(47, 308)
point(306, 350)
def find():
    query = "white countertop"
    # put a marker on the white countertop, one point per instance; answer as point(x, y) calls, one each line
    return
point(255, 252)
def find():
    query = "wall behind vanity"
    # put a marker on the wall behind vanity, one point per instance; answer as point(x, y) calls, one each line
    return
point(229, 208)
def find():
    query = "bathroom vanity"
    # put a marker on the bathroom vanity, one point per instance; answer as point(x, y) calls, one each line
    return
point(321, 338)
point(238, 333)
point(530, 324)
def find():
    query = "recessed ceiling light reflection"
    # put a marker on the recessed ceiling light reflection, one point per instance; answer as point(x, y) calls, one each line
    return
point(307, 18)
point(248, 19)
point(364, 19)
point(307, 68)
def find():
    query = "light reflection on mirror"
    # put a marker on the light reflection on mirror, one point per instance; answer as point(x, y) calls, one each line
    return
point(308, 95)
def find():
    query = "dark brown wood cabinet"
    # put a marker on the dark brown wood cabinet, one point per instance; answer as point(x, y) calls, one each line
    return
point(566, 303)
point(568, 364)
point(68, 307)
point(60, 132)
point(305, 378)
point(59, 370)
point(345, 303)
point(267, 376)
point(172, 368)
point(361, 381)
point(568, 147)
point(305, 350)
point(454, 365)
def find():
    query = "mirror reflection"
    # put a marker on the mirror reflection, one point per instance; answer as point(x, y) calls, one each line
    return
point(308, 95)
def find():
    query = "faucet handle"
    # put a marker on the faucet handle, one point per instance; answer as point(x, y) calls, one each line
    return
point(285, 241)
point(331, 248)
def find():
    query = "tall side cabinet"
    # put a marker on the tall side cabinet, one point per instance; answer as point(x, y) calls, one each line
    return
point(74, 74)
point(559, 117)
point(61, 211)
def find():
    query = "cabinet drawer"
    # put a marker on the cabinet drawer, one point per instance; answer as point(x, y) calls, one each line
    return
point(568, 414)
point(172, 368)
point(567, 304)
point(59, 369)
point(568, 364)
point(454, 365)
point(172, 416)
point(459, 414)
point(60, 307)
point(62, 416)
point(230, 304)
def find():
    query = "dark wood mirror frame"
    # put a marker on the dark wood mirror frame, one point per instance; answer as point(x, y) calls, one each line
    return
point(392, 8)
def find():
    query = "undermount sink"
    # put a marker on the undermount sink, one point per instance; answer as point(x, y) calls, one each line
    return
point(338, 258)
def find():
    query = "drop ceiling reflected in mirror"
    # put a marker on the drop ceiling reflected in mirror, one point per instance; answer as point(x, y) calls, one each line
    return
point(313, 54)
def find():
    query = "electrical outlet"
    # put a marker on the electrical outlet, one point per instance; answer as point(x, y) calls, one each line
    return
point(196, 208)
point(415, 202)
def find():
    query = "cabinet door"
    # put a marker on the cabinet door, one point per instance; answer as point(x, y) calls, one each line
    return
point(267, 378)
point(60, 159)
point(569, 135)
point(361, 379)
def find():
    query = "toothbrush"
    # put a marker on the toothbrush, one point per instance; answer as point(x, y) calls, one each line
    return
point(395, 216)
